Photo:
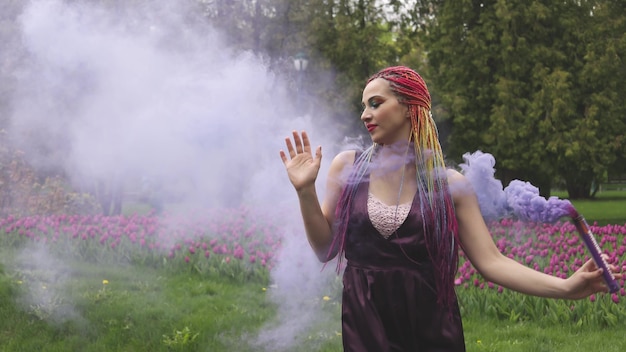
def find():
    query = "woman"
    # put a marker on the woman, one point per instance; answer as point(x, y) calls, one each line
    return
point(399, 216)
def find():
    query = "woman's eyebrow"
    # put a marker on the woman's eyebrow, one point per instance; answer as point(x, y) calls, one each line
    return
point(370, 99)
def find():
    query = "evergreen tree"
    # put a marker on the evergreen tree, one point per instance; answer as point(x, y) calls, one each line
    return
point(520, 81)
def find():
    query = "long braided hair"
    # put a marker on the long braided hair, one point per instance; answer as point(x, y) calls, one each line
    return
point(435, 201)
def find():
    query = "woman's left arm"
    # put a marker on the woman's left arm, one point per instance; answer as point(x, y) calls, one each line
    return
point(479, 247)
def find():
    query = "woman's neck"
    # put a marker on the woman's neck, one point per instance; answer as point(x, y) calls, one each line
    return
point(392, 159)
point(396, 154)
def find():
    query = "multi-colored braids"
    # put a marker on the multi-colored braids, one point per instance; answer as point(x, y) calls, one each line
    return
point(435, 201)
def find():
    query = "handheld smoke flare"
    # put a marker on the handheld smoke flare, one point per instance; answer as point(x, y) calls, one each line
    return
point(593, 247)
point(522, 200)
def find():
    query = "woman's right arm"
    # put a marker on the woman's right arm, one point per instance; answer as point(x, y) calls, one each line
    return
point(302, 169)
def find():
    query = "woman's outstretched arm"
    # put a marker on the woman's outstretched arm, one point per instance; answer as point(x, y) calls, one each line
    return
point(303, 168)
point(479, 247)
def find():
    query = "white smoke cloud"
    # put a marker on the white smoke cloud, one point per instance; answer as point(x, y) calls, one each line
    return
point(150, 91)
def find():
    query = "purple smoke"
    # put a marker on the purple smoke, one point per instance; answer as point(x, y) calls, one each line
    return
point(519, 199)
point(478, 169)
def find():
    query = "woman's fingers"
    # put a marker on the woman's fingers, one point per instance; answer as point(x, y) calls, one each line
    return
point(300, 145)
point(298, 142)
point(283, 156)
point(306, 143)
point(290, 150)
point(590, 265)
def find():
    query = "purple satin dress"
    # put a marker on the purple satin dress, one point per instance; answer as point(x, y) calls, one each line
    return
point(390, 302)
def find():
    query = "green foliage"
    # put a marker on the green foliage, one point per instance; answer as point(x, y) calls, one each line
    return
point(181, 340)
point(516, 307)
point(354, 39)
point(525, 82)
point(538, 84)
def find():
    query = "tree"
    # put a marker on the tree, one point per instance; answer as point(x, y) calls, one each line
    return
point(603, 76)
point(517, 79)
point(354, 39)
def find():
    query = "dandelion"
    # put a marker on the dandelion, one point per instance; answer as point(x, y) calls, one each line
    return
point(105, 282)
point(326, 298)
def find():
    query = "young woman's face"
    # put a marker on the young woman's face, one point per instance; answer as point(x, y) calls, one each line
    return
point(384, 116)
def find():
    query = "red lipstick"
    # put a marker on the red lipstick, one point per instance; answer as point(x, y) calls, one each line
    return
point(371, 127)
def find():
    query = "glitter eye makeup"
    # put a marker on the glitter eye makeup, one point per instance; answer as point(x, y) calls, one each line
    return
point(373, 102)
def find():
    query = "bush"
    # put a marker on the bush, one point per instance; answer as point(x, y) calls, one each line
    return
point(24, 193)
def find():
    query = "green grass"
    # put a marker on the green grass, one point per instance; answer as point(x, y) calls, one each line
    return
point(608, 207)
point(143, 309)
point(497, 335)
point(139, 309)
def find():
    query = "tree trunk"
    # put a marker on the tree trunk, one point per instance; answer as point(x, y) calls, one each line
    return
point(578, 190)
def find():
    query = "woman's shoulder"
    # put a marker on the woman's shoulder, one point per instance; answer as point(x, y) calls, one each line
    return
point(342, 163)
point(345, 157)
point(459, 185)
point(454, 176)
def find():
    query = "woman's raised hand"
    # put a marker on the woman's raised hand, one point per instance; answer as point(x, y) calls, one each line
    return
point(302, 167)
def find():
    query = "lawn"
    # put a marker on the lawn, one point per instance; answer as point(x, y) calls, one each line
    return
point(147, 283)
point(608, 207)
point(142, 309)
point(135, 309)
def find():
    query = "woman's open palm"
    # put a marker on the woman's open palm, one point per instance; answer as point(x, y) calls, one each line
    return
point(302, 166)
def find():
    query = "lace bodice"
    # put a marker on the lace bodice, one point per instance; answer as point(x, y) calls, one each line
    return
point(386, 218)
